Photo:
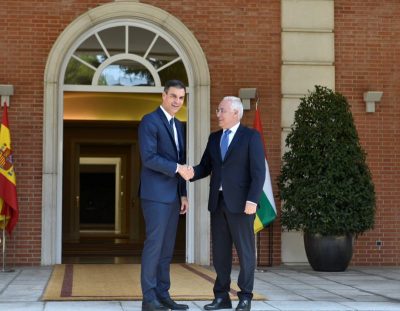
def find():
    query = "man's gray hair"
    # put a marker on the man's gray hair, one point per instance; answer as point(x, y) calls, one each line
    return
point(236, 104)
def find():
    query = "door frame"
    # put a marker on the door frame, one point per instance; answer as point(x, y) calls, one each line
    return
point(116, 162)
point(198, 222)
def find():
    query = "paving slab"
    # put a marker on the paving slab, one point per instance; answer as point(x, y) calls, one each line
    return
point(287, 288)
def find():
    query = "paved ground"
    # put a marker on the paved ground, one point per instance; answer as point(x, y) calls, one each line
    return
point(288, 288)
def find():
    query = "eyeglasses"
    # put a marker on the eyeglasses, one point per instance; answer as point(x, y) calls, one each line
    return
point(220, 110)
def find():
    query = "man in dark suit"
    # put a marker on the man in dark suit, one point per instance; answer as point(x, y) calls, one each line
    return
point(234, 157)
point(163, 194)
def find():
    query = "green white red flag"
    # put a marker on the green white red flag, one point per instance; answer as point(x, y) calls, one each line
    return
point(266, 213)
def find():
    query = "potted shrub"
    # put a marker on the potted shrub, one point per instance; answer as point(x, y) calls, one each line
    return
point(325, 185)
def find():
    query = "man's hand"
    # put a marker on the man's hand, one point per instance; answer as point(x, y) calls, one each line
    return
point(250, 208)
point(184, 205)
point(185, 171)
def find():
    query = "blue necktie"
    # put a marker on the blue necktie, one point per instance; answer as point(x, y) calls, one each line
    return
point(225, 143)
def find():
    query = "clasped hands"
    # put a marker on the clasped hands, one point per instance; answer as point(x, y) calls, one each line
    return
point(185, 171)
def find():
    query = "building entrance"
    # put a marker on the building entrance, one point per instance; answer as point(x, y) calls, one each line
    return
point(114, 76)
point(102, 217)
point(118, 50)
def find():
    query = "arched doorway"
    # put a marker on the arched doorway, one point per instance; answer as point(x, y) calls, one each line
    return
point(127, 16)
point(114, 75)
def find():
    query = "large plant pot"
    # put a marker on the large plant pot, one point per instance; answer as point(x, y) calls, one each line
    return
point(328, 253)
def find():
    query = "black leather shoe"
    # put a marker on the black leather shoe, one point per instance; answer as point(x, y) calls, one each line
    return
point(244, 305)
point(154, 305)
point(218, 304)
point(169, 303)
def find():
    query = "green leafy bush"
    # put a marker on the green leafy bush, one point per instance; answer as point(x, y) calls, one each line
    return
point(325, 184)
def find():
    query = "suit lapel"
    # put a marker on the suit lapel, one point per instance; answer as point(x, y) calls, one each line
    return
point(170, 130)
point(235, 141)
point(164, 120)
point(218, 144)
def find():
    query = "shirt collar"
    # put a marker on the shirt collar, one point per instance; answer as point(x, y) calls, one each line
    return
point(233, 129)
point(167, 115)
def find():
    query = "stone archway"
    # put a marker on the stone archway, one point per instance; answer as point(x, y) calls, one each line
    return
point(198, 249)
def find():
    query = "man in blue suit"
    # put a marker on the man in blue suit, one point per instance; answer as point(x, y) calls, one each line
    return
point(234, 157)
point(163, 194)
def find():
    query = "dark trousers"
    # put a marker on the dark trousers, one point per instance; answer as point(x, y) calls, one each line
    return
point(161, 224)
point(226, 229)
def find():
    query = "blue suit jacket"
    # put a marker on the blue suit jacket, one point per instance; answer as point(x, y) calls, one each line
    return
point(158, 180)
point(241, 173)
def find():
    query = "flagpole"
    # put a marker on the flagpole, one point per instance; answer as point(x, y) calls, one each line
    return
point(271, 243)
point(257, 242)
point(4, 245)
point(7, 183)
point(3, 269)
point(267, 209)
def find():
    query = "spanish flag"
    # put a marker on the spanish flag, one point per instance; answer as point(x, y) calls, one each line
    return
point(266, 213)
point(8, 184)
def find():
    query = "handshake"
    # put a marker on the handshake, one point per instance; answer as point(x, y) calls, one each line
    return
point(186, 171)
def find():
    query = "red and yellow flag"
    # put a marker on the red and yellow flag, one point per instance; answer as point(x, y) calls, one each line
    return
point(8, 183)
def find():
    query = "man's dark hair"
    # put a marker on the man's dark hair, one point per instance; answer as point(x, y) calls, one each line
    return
point(174, 83)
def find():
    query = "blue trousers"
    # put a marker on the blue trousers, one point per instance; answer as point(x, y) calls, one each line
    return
point(161, 221)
